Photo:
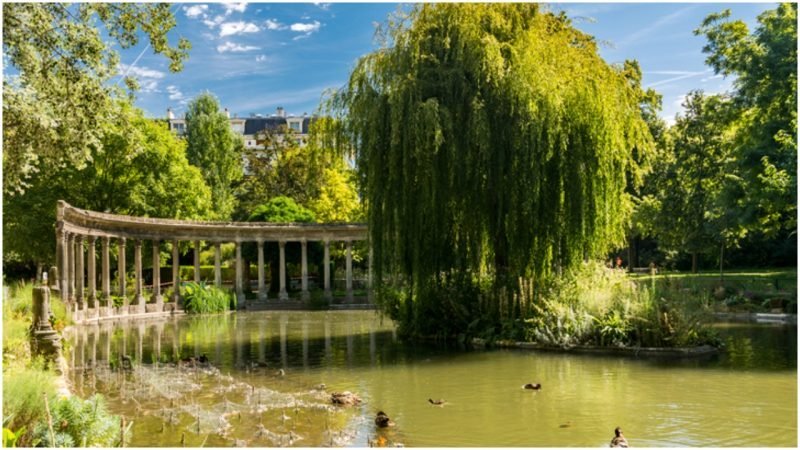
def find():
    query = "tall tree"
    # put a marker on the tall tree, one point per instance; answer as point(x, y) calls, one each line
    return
point(765, 65)
point(139, 169)
point(216, 150)
point(57, 93)
point(490, 139)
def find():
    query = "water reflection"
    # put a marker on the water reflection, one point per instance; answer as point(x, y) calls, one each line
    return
point(744, 397)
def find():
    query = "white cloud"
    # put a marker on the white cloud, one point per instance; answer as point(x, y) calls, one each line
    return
point(261, 58)
point(139, 72)
point(174, 92)
point(213, 23)
point(230, 8)
point(323, 6)
point(232, 28)
point(305, 27)
point(274, 25)
point(195, 11)
point(148, 86)
point(236, 48)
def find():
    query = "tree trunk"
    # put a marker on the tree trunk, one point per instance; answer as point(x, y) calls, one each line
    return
point(694, 262)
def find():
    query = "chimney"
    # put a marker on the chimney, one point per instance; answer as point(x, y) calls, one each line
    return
point(170, 116)
point(281, 112)
point(227, 113)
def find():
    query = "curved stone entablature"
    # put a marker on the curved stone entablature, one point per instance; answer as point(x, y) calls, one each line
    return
point(92, 223)
point(79, 232)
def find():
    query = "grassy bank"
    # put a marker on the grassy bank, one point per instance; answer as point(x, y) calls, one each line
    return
point(755, 290)
point(34, 414)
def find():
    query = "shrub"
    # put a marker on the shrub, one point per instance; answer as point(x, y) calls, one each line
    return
point(77, 422)
point(199, 298)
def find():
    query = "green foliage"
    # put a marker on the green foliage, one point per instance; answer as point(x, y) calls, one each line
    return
point(55, 107)
point(24, 388)
point(216, 150)
point(505, 127)
point(338, 200)
point(10, 438)
point(281, 210)
point(200, 298)
point(765, 65)
point(80, 423)
point(140, 170)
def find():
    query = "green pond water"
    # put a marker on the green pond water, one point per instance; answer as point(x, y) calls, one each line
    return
point(745, 397)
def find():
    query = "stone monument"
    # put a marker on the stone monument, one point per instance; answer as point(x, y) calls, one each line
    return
point(44, 339)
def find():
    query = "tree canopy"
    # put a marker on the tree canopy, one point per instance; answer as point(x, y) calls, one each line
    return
point(57, 95)
point(765, 65)
point(216, 150)
point(504, 126)
point(139, 169)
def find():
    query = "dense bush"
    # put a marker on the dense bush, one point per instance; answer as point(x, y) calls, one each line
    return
point(200, 298)
point(79, 423)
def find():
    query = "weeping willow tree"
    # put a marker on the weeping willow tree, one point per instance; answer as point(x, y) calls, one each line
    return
point(492, 143)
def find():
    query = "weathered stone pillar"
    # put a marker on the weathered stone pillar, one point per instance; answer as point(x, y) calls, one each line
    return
point(122, 275)
point(79, 272)
point(262, 287)
point(71, 265)
point(217, 269)
point(157, 299)
point(304, 270)
point(282, 295)
point(44, 339)
point(105, 276)
point(349, 271)
point(63, 269)
point(137, 261)
point(326, 262)
point(176, 273)
point(57, 277)
point(91, 258)
point(370, 281)
point(196, 261)
point(239, 278)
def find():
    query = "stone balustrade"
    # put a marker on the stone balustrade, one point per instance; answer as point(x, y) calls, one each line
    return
point(78, 231)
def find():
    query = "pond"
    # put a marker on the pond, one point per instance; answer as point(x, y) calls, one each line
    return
point(262, 386)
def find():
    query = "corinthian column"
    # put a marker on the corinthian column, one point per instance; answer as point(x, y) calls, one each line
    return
point(105, 275)
point(121, 273)
point(304, 270)
point(349, 271)
point(262, 288)
point(91, 258)
point(137, 261)
point(157, 299)
point(283, 295)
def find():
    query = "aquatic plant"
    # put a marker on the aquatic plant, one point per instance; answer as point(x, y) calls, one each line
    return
point(200, 298)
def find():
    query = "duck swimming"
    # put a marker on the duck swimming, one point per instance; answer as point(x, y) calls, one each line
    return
point(439, 402)
point(618, 441)
point(534, 386)
point(383, 421)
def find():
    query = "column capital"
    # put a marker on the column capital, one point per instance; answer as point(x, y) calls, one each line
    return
point(121, 240)
point(91, 239)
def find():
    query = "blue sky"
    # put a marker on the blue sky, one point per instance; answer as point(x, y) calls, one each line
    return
point(257, 56)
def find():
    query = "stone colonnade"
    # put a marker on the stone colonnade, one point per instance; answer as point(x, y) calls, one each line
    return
point(79, 230)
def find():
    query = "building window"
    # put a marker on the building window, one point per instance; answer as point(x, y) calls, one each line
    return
point(295, 126)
